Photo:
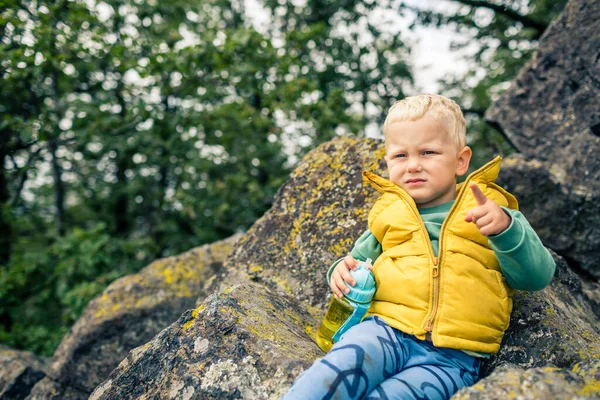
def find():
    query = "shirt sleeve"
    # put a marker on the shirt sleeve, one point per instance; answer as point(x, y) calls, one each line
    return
point(526, 264)
point(366, 246)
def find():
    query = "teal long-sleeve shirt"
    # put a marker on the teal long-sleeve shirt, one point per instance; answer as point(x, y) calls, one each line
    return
point(526, 264)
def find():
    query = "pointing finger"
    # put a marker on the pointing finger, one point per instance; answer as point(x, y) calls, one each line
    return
point(480, 198)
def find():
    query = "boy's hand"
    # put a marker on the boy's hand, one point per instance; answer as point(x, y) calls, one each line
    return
point(341, 275)
point(489, 218)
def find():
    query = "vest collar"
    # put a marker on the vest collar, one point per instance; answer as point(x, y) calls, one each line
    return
point(488, 173)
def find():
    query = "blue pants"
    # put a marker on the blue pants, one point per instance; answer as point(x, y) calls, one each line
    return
point(374, 361)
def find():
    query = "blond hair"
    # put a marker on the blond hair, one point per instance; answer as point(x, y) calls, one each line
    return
point(434, 106)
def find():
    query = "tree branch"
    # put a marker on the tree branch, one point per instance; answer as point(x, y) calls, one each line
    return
point(20, 145)
point(125, 128)
point(508, 12)
point(23, 178)
point(324, 13)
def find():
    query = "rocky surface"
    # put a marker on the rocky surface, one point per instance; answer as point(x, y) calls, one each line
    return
point(511, 382)
point(130, 312)
point(551, 114)
point(271, 294)
point(275, 295)
point(318, 214)
point(565, 219)
point(19, 371)
point(246, 342)
point(556, 326)
point(48, 389)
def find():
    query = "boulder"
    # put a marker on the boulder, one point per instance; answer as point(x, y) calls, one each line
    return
point(551, 114)
point(513, 382)
point(554, 327)
point(130, 312)
point(564, 218)
point(318, 214)
point(275, 301)
point(246, 342)
point(19, 372)
point(48, 389)
point(260, 325)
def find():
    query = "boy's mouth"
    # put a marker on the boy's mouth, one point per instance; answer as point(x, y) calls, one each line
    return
point(414, 181)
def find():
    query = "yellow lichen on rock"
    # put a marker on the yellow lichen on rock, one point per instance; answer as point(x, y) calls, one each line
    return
point(283, 283)
point(106, 306)
point(195, 313)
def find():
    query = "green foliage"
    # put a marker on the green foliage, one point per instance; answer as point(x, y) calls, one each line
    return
point(44, 291)
point(136, 129)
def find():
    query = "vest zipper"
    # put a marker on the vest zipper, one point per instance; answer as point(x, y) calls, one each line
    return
point(436, 294)
point(437, 261)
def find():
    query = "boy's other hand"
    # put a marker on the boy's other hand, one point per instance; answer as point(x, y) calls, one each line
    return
point(489, 218)
point(341, 275)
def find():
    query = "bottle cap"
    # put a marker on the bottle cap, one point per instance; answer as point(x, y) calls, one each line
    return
point(364, 289)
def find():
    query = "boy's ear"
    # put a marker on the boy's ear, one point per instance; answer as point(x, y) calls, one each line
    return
point(463, 159)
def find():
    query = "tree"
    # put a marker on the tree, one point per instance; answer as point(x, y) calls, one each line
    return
point(137, 129)
point(505, 34)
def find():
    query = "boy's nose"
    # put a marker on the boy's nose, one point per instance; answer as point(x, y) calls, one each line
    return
point(414, 165)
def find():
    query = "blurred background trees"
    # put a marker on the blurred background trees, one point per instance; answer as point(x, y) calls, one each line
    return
point(496, 38)
point(137, 129)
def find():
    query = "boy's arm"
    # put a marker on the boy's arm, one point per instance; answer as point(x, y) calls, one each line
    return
point(366, 246)
point(526, 264)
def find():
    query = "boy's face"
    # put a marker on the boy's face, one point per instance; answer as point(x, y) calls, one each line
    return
point(423, 160)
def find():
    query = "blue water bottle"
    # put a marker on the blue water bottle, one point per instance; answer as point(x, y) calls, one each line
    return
point(342, 314)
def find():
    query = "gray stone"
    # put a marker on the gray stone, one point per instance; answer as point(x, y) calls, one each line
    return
point(19, 372)
point(130, 312)
point(513, 382)
point(47, 389)
point(280, 301)
point(551, 113)
point(246, 342)
point(556, 326)
point(272, 292)
point(317, 215)
point(566, 219)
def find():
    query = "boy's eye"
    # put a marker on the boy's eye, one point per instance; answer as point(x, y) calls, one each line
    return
point(400, 155)
point(429, 152)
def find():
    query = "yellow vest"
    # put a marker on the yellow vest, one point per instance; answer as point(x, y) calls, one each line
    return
point(461, 297)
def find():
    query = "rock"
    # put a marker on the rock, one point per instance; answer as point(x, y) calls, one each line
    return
point(513, 382)
point(260, 329)
point(246, 342)
point(317, 215)
point(574, 227)
point(19, 371)
point(556, 326)
point(130, 312)
point(551, 113)
point(47, 389)
point(231, 330)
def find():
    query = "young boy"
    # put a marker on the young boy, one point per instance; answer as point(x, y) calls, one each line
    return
point(447, 257)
